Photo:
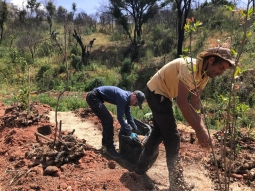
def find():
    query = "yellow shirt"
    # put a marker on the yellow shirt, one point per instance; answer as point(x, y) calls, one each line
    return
point(165, 81)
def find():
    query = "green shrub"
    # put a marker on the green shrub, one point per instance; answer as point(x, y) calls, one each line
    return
point(76, 63)
point(44, 50)
point(115, 36)
point(42, 70)
point(75, 50)
point(177, 113)
point(44, 78)
point(61, 69)
point(70, 103)
point(107, 76)
point(126, 66)
point(93, 83)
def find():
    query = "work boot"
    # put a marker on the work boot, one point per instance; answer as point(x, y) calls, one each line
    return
point(139, 171)
point(113, 153)
point(181, 186)
point(103, 148)
point(145, 162)
point(177, 182)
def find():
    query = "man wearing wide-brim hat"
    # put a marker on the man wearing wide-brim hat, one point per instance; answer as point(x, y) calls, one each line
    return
point(183, 79)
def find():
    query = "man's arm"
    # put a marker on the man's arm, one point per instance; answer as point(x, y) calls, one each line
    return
point(188, 110)
point(125, 129)
point(195, 100)
point(130, 118)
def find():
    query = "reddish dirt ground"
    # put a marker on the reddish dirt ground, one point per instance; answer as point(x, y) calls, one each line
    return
point(23, 168)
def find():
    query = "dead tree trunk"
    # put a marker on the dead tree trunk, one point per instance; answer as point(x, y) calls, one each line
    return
point(84, 52)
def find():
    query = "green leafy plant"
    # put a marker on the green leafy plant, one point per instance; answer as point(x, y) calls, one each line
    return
point(148, 116)
point(250, 132)
point(22, 97)
point(70, 103)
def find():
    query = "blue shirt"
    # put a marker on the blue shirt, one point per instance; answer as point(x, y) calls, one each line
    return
point(121, 99)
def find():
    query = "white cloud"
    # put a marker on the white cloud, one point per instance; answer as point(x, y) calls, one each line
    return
point(22, 4)
point(19, 3)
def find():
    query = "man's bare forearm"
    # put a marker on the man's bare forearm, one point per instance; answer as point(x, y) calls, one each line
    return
point(191, 116)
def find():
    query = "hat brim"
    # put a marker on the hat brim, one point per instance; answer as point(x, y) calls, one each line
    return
point(205, 54)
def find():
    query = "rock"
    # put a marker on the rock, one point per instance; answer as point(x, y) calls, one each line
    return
point(51, 170)
point(245, 166)
point(37, 169)
point(112, 164)
point(245, 176)
point(237, 176)
point(251, 174)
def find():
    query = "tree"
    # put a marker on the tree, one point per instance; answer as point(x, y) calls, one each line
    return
point(85, 52)
point(30, 42)
point(51, 8)
point(183, 9)
point(74, 8)
point(82, 20)
point(140, 11)
point(3, 18)
point(61, 14)
point(22, 15)
point(70, 15)
point(33, 6)
point(221, 2)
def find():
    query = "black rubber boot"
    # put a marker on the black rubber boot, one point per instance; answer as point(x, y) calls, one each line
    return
point(113, 153)
point(176, 179)
point(110, 149)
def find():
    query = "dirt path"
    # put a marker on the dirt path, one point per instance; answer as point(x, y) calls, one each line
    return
point(83, 129)
point(193, 172)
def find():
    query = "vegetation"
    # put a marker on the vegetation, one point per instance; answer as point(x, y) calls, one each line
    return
point(53, 46)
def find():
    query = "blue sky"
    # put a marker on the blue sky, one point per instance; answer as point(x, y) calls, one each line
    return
point(87, 6)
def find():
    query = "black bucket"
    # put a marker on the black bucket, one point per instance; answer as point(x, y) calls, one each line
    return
point(44, 130)
point(131, 149)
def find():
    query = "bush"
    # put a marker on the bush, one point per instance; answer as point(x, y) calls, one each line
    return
point(75, 50)
point(61, 69)
point(126, 66)
point(44, 50)
point(70, 103)
point(42, 70)
point(177, 113)
point(76, 63)
point(44, 78)
point(91, 84)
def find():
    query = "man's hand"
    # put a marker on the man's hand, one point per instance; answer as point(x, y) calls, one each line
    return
point(134, 136)
point(203, 138)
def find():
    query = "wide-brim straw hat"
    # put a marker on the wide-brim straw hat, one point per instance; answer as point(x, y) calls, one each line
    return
point(224, 53)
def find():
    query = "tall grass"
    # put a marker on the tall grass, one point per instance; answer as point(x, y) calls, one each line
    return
point(70, 103)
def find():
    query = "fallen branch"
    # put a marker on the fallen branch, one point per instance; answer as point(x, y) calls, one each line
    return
point(50, 140)
point(18, 176)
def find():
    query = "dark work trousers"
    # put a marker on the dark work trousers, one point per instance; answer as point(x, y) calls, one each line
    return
point(96, 104)
point(165, 129)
